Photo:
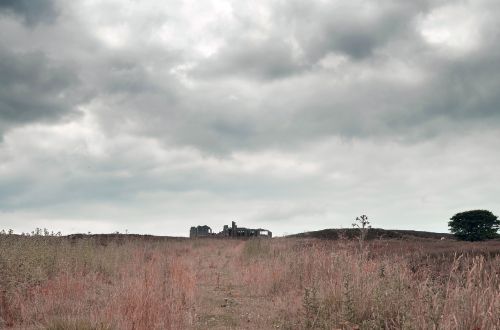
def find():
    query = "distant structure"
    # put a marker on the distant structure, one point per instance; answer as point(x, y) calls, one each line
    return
point(200, 231)
point(233, 231)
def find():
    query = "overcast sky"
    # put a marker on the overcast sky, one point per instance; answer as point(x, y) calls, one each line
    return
point(152, 116)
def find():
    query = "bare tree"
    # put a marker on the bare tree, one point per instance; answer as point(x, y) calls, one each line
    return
point(363, 224)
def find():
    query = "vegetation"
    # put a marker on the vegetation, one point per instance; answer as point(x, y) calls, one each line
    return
point(123, 282)
point(59, 283)
point(363, 225)
point(476, 225)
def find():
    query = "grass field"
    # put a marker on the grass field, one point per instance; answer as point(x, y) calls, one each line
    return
point(284, 283)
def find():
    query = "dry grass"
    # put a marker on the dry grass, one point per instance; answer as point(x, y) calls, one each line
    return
point(57, 283)
point(436, 286)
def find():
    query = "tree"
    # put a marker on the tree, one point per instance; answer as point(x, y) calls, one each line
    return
point(475, 225)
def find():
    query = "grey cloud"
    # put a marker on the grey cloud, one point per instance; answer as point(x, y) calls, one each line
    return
point(460, 96)
point(355, 29)
point(306, 32)
point(469, 88)
point(392, 177)
point(356, 79)
point(34, 89)
point(135, 71)
point(267, 59)
point(121, 176)
point(454, 95)
point(31, 11)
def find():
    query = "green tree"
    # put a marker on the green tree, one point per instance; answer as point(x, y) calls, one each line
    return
point(475, 225)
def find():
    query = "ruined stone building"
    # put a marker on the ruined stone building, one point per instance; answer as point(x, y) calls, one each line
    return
point(200, 231)
point(233, 231)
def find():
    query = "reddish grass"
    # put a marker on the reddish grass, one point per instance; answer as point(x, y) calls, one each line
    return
point(391, 285)
point(142, 287)
point(56, 283)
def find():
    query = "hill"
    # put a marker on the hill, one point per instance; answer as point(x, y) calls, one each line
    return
point(374, 233)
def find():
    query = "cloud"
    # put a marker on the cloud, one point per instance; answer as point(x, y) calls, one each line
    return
point(290, 38)
point(268, 59)
point(356, 29)
point(300, 115)
point(34, 89)
point(31, 12)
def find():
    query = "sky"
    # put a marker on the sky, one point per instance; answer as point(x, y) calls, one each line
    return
point(152, 116)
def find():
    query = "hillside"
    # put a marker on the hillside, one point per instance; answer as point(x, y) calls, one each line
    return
point(374, 233)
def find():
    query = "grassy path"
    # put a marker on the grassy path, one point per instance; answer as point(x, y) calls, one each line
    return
point(222, 301)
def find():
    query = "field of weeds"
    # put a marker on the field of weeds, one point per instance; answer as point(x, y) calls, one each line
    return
point(284, 283)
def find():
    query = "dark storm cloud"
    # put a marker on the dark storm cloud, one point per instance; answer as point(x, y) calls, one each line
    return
point(31, 11)
point(34, 89)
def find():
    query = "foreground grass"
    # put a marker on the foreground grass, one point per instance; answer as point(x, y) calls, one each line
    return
point(383, 287)
point(58, 283)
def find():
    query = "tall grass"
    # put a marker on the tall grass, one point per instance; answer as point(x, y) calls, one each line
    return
point(325, 286)
point(58, 283)
point(61, 283)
